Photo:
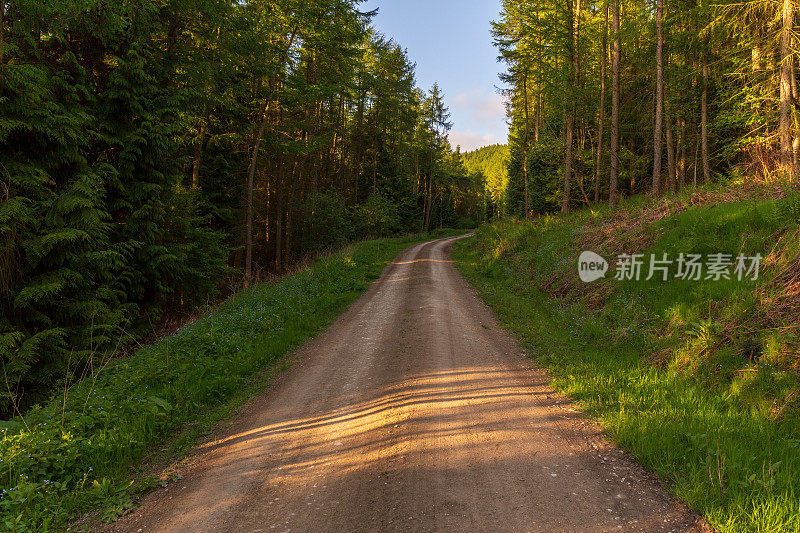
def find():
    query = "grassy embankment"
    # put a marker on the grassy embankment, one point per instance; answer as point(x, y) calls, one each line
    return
point(698, 379)
point(70, 456)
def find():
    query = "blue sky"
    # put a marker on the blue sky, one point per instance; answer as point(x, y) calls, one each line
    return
point(450, 43)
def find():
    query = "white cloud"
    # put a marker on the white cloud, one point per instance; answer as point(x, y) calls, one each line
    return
point(480, 119)
point(481, 105)
point(469, 140)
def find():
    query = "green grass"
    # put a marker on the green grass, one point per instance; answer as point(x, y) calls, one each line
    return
point(62, 460)
point(704, 419)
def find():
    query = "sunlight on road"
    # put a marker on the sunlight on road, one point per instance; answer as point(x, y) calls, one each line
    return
point(414, 417)
point(423, 261)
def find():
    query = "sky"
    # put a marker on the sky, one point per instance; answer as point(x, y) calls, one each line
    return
point(450, 43)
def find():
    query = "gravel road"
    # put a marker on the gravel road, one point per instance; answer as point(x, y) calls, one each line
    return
point(413, 412)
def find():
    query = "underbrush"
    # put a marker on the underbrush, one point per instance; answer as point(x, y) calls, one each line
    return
point(77, 451)
point(700, 380)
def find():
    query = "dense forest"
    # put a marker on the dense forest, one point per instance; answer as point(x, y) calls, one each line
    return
point(490, 166)
point(153, 153)
point(617, 97)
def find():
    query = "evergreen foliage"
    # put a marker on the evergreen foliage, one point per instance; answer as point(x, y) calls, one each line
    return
point(490, 164)
point(147, 149)
point(709, 88)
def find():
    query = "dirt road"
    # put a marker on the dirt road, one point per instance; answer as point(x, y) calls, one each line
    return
point(413, 412)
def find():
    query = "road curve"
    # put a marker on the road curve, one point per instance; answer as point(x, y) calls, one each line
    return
point(413, 412)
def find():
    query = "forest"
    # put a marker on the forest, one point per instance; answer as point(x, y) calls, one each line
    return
point(157, 155)
point(490, 165)
point(612, 98)
point(199, 196)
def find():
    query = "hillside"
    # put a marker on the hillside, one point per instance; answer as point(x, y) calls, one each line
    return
point(491, 164)
point(698, 378)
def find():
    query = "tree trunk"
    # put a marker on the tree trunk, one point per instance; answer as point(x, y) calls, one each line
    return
point(430, 210)
point(658, 126)
point(287, 240)
point(279, 218)
point(570, 127)
point(572, 64)
point(697, 143)
point(671, 174)
point(525, 144)
point(704, 122)
point(538, 126)
point(755, 58)
point(682, 159)
point(796, 138)
point(2, 29)
point(251, 173)
point(614, 179)
point(786, 90)
point(602, 110)
point(198, 152)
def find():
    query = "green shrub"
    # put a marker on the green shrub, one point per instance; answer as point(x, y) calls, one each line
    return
point(378, 217)
point(329, 223)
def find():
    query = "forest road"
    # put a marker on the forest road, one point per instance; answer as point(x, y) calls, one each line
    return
point(412, 412)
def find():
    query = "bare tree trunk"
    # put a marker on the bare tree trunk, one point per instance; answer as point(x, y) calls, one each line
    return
point(570, 127)
point(429, 207)
point(2, 28)
point(671, 174)
point(287, 240)
point(525, 144)
point(682, 158)
point(704, 122)
point(796, 138)
point(538, 111)
point(602, 110)
point(697, 143)
point(657, 144)
point(614, 180)
point(198, 152)
point(429, 214)
point(572, 64)
point(786, 90)
point(279, 218)
point(538, 126)
point(251, 173)
point(755, 58)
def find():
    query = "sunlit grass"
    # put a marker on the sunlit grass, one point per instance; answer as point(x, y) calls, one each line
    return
point(703, 416)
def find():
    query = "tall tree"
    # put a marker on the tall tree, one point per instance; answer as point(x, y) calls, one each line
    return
point(602, 108)
point(659, 113)
point(571, 63)
point(704, 125)
point(786, 89)
point(615, 94)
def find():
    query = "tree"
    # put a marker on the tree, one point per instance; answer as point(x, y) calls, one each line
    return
point(601, 113)
point(571, 61)
point(785, 89)
point(148, 150)
point(615, 94)
point(659, 114)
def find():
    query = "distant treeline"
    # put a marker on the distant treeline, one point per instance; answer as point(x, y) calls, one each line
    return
point(149, 148)
point(490, 164)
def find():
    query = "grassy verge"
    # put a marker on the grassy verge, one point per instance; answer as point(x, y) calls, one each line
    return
point(78, 451)
point(699, 380)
